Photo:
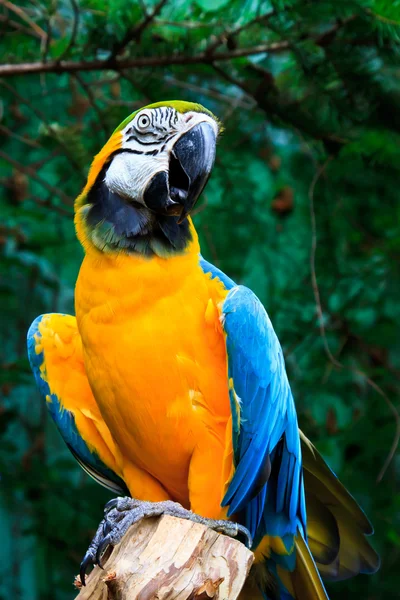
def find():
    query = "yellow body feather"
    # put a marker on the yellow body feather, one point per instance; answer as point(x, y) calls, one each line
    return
point(156, 363)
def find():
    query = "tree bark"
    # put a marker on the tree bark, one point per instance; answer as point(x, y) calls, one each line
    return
point(72, 66)
point(170, 559)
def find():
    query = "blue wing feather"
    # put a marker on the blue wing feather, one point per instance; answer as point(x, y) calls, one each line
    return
point(215, 272)
point(267, 416)
point(65, 421)
point(265, 424)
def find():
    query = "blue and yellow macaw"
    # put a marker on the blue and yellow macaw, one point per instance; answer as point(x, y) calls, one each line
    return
point(170, 383)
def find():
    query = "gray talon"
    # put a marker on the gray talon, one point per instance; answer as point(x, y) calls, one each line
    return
point(87, 561)
point(101, 549)
point(246, 535)
point(90, 557)
point(107, 526)
point(121, 513)
point(110, 505)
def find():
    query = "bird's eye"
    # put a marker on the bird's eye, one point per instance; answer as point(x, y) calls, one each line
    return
point(143, 122)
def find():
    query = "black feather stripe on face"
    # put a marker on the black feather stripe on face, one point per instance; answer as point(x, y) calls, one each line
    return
point(164, 138)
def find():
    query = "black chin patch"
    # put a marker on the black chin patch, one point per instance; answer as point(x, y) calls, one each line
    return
point(134, 227)
point(177, 235)
point(127, 220)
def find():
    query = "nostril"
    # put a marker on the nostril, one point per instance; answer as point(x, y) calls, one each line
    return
point(188, 117)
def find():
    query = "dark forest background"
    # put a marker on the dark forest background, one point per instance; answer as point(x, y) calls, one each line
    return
point(303, 207)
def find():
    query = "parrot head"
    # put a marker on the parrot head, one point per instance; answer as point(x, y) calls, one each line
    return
point(147, 178)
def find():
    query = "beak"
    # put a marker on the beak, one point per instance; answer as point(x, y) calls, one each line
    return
point(192, 159)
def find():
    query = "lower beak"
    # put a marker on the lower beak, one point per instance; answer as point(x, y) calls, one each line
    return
point(191, 162)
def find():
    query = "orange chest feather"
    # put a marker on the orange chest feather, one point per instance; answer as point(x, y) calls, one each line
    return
point(154, 354)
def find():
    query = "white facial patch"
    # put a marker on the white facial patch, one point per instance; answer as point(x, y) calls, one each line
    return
point(146, 148)
point(129, 174)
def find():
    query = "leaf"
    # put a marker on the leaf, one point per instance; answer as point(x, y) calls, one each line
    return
point(212, 5)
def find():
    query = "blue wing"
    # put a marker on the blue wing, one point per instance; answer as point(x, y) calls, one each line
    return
point(210, 269)
point(267, 486)
point(63, 418)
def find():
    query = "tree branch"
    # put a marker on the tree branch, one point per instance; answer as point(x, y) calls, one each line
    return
point(27, 170)
point(92, 100)
point(320, 317)
point(225, 35)
point(22, 14)
point(74, 31)
point(70, 66)
point(136, 32)
point(5, 19)
point(20, 138)
point(42, 117)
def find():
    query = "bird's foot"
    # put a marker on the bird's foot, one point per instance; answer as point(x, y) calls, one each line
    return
point(121, 513)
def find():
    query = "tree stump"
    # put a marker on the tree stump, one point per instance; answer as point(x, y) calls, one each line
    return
point(167, 558)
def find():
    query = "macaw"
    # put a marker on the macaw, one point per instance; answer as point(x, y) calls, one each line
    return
point(169, 386)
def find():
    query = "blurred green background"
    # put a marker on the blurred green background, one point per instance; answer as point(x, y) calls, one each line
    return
point(303, 207)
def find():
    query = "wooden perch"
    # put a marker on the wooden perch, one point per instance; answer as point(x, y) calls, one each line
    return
point(169, 558)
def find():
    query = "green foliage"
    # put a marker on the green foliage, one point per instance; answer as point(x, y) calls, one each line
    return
point(312, 131)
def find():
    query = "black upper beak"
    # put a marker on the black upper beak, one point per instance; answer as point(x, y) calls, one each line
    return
point(191, 162)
